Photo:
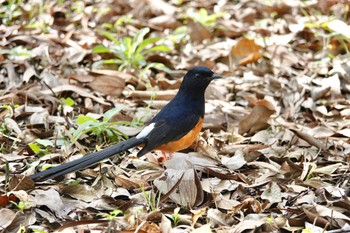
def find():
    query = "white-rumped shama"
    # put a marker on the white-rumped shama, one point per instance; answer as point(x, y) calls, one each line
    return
point(174, 128)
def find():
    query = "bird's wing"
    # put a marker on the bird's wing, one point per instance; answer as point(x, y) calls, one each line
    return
point(167, 130)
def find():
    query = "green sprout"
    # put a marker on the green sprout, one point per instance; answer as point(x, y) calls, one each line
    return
point(101, 129)
point(111, 215)
point(202, 17)
point(152, 199)
point(130, 53)
point(22, 205)
point(175, 217)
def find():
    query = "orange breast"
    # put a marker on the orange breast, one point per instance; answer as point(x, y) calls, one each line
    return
point(184, 142)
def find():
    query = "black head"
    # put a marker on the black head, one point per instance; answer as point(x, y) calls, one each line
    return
point(198, 78)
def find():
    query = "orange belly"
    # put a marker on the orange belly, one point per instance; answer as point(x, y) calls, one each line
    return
point(184, 142)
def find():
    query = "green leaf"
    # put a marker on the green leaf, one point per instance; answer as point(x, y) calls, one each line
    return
point(47, 166)
point(69, 101)
point(35, 148)
point(100, 49)
point(116, 212)
point(158, 48)
point(139, 38)
point(127, 47)
point(107, 25)
point(83, 119)
point(109, 36)
point(110, 113)
point(44, 142)
point(146, 42)
point(84, 128)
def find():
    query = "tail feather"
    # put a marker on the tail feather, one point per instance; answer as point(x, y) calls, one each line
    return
point(87, 160)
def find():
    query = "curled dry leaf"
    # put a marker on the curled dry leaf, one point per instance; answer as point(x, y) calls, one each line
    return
point(257, 119)
point(217, 217)
point(235, 162)
point(308, 138)
point(189, 191)
point(52, 200)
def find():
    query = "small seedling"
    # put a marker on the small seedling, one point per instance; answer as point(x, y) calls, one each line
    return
point(101, 129)
point(69, 101)
point(175, 217)
point(21, 205)
point(152, 199)
point(41, 146)
point(130, 53)
point(111, 215)
point(202, 17)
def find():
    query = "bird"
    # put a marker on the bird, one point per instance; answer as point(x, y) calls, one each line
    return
point(174, 128)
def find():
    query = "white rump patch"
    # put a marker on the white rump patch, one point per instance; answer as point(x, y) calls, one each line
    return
point(145, 131)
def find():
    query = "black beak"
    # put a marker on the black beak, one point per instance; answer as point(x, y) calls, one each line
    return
point(216, 76)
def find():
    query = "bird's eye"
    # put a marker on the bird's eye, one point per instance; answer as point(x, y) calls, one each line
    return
point(197, 76)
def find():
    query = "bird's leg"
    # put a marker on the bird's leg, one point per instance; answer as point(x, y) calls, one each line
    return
point(164, 155)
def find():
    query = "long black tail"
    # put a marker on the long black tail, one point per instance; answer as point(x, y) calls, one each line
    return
point(87, 160)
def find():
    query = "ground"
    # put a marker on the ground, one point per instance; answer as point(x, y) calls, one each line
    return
point(273, 155)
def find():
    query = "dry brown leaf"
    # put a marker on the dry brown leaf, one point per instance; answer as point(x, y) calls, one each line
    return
point(108, 85)
point(7, 217)
point(165, 225)
point(52, 200)
point(20, 182)
point(129, 183)
point(257, 119)
point(198, 32)
point(188, 193)
point(273, 193)
point(308, 138)
point(245, 52)
point(80, 192)
point(80, 91)
point(165, 21)
point(235, 162)
point(160, 7)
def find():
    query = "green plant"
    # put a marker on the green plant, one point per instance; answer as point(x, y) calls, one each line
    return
point(130, 53)
point(17, 52)
point(10, 11)
point(201, 16)
point(152, 199)
point(101, 129)
point(41, 146)
point(329, 28)
point(68, 101)
point(21, 205)
point(175, 217)
point(38, 231)
point(121, 21)
point(111, 215)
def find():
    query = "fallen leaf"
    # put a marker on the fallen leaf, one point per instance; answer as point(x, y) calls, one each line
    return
point(273, 193)
point(257, 119)
point(52, 200)
point(235, 162)
point(245, 52)
point(7, 217)
point(198, 32)
point(108, 85)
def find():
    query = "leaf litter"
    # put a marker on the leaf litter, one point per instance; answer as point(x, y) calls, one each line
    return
point(274, 152)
